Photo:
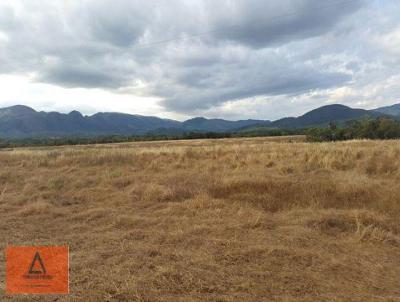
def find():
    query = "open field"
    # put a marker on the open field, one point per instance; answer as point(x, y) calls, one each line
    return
point(213, 220)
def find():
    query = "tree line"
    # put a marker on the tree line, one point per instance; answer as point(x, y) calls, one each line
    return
point(106, 139)
point(380, 128)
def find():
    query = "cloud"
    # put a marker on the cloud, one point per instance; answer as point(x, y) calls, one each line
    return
point(200, 57)
point(85, 77)
point(266, 74)
point(262, 23)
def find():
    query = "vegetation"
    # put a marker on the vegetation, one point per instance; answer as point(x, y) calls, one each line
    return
point(381, 128)
point(248, 219)
point(61, 141)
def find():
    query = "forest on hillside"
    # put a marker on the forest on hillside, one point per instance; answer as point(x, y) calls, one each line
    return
point(380, 128)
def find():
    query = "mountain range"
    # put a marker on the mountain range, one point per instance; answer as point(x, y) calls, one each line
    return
point(21, 121)
point(391, 110)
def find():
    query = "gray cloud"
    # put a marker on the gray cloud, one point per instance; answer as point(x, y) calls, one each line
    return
point(261, 23)
point(119, 23)
point(198, 56)
point(268, 74)
point(76, 77)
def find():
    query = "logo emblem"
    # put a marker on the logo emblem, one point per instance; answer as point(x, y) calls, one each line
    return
point(39, 260)
point(37, 270)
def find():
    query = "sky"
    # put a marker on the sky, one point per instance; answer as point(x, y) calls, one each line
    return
point(232, 59)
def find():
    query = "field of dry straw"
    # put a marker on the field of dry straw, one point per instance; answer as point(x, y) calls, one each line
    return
point(213, 220)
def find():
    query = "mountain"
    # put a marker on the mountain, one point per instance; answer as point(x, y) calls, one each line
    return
point(22, 121)
point(121, 123)
point(391, 110)
point(16, 111)
point(323, 116)
point(216, 125)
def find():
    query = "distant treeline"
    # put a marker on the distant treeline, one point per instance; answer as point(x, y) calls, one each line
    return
point(61, 141)
point(380, 128)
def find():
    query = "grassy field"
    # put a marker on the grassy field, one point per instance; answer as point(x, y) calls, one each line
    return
point(262, 219)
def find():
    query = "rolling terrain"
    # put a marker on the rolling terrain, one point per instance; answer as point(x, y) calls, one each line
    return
point(391, 110)
point(261, 219)
point(24, 122)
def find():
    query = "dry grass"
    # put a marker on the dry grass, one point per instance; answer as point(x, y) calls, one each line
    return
point(216, 220)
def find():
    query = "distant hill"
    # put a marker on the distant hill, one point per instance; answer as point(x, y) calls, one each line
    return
point(216, 125)
point(22, 121)
point(392, 110)
point(323, 116)
point(319, 117)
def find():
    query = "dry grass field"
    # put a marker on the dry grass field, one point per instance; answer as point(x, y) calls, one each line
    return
point(257, 219)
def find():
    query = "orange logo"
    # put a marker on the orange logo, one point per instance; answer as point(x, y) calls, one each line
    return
point(37, 270)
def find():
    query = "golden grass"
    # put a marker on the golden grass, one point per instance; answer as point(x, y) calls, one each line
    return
point(262, 219)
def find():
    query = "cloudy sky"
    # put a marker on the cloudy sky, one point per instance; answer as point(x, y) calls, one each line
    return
point(183, 58)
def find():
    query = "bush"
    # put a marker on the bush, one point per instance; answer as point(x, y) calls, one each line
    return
point(380, 128)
